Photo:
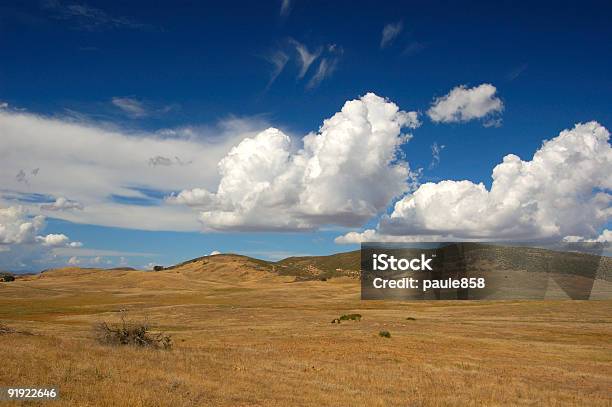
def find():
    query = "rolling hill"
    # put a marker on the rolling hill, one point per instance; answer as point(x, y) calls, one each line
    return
point(304, 268)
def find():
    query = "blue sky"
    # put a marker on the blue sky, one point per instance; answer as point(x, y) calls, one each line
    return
point(137, 67)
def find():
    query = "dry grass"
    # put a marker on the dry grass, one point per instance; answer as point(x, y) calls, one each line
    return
point(244, 337)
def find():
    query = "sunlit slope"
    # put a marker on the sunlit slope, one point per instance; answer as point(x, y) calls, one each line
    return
point(335, 265)
point(306, 267)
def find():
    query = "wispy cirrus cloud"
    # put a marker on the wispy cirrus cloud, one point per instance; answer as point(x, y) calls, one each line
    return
point(138, 109)
point(278, 60)
point(306, 58)
point(413, 48)
point(88, 18)
point(327, 66)
point(91, 165)
point(327, 56)
point(390, 32)
point(130, 106)
point(436, 149)
point(516, 72)
point(285, 7)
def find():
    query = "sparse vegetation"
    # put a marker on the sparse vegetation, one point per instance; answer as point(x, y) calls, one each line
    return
point(249, 339)
point(6, 277)
point(4, 330)
point(347, 317)
point(410, 319)
point(131, 333)
point(384, 334)
point(320, 268)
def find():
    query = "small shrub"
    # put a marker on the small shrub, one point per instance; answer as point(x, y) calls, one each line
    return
point(131, 333)
point(7, 278)
point(347, 317)
point(5, 330)
point(384, 334)
point(410, 319)
point(158, 268)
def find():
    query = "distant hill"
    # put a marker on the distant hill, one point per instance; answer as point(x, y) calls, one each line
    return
point(305, 268)
point(348, 264)
point(515, 272)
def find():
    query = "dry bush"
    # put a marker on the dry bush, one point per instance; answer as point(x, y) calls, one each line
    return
point(129, 332)
point(5, 330)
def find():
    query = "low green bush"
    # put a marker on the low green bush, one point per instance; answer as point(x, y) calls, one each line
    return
point(350, 317)
point(347, 317)
point(384, 334)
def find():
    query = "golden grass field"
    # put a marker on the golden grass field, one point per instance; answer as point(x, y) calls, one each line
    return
point(247, 337)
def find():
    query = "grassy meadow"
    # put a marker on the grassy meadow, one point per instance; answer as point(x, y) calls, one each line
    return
point(243, 336)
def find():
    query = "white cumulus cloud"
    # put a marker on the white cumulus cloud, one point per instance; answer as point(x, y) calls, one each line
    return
point(73, 261)
point(21, 241)
point(562, 191)
point(62, 204)
point(53, 240)
point(344, 174)
point(371, 235)
point(604, 237)
point(462, 104)
point(16, 227)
